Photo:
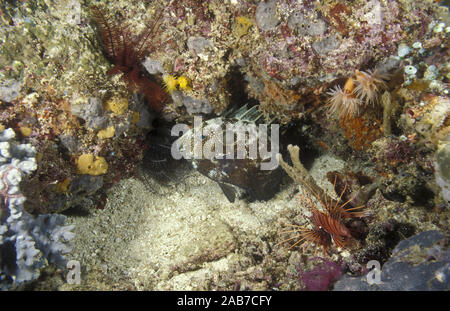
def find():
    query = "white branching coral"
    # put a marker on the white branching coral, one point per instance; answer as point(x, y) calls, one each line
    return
point(27, 243)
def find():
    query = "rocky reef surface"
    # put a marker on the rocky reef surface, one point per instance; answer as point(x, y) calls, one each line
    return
point(91, 90)
point(419, 263)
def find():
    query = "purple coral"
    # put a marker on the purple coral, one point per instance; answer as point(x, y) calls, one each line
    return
point(323, 274)
point(398, 151)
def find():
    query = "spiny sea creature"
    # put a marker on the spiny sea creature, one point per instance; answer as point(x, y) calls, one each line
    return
point(328, 222)
point(127, 51)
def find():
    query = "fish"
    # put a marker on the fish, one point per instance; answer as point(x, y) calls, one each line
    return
point(237, 176)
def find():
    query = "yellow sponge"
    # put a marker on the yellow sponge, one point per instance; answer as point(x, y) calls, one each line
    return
point(117, 105)
point(88, 165)
point(106, 133)
point(26, 131)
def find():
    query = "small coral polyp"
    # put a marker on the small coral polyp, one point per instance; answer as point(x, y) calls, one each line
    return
point(369, 84)
point(343, 101)
point(184, 83)
point(360, 90)
point(170, 83)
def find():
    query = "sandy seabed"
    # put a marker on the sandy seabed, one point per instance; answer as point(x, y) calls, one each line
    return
point(183, 234)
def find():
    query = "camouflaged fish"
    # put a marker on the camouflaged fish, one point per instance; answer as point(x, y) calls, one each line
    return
point(233, 151)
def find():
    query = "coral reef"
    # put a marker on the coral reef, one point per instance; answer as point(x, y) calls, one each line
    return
point(286, 52)
point(89, 87)
point(373, 227)
point(59, 95)
point(291, 45)
point(27, 243)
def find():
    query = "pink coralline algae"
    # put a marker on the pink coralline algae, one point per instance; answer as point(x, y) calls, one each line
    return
point(308, 41)
point(304, 47)
point(323, 274)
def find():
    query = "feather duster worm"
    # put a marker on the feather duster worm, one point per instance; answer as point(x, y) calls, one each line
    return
point(126, 52)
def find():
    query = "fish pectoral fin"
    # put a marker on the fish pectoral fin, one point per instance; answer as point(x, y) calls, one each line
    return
point(229, 191)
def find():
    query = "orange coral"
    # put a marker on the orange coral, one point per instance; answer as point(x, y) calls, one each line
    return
point(359, 90)
point(279, 95)
point(361, 131)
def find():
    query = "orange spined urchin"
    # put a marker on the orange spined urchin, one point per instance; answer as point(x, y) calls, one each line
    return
point(343, 101)
point(369, 84)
